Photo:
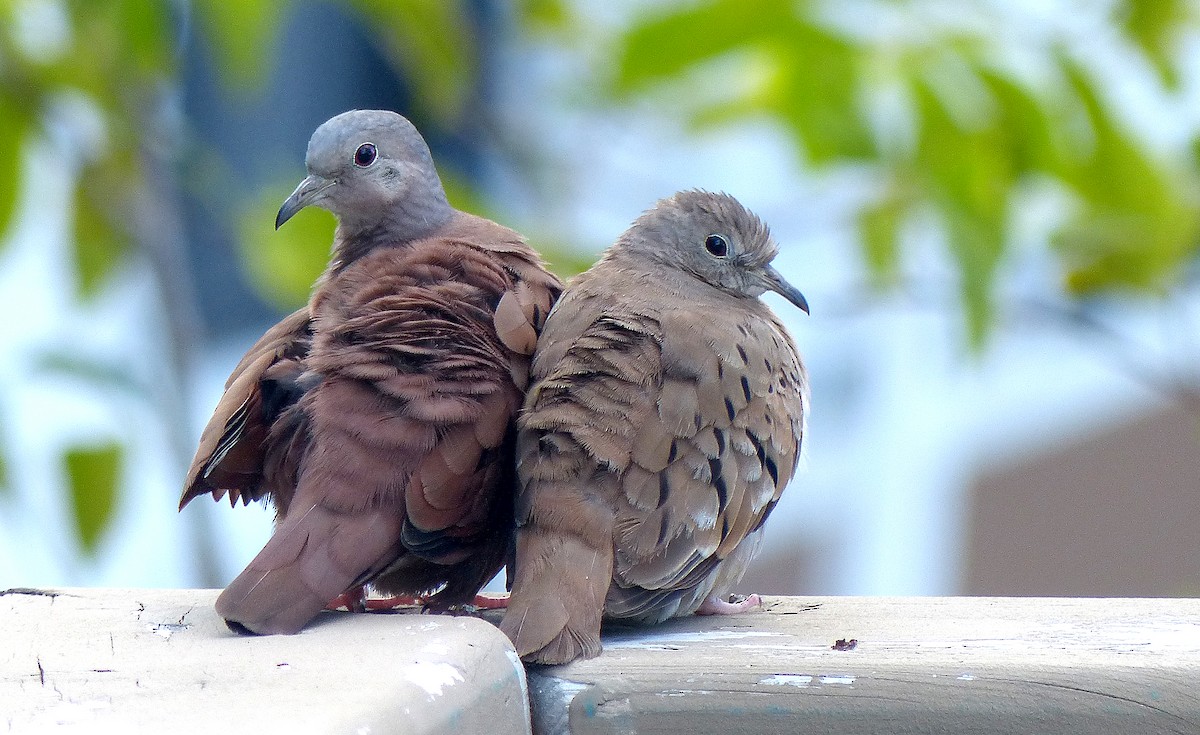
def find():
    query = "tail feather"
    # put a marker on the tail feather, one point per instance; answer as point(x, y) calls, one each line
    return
point(313, 557)
point(557, 599)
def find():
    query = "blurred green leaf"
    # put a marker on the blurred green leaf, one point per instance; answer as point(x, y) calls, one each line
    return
point(104, 375)
point(1137, 224)
point(99, 248)
point(435, 45)
point(977, 244)
point(970, 175)
point(818, 94)
point(5, 484)
point(544, 14)
point(145, 29)
point(12, 133)
point(1027, 125)
point(284, 264)
point(879, 226)
point(664, 44)
point(812, 75)
point(243, 34)
point(1152, 25)
point(562, 259)
point(463, 195)
point(93, 472)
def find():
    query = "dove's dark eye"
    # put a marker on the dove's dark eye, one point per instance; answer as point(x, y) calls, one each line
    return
point(365, 155)
point(716, 245)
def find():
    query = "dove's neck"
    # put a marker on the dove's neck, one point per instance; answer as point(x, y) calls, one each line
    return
point(404, 222)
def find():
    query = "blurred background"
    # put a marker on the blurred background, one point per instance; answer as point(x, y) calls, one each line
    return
point(992, 206)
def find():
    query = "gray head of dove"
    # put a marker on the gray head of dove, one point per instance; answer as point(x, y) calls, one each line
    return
point(373, 171)
point(713, 238)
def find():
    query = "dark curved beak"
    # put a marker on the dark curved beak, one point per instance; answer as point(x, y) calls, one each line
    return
point(775, 282)
point(309, 191)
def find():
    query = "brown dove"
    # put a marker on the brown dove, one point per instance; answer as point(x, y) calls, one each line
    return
point(664, 419)
point(378, 419)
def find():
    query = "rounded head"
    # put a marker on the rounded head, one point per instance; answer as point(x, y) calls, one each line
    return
point(713, 238)
point(370, 167)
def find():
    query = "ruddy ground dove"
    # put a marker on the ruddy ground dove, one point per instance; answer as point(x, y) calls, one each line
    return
point(663, 421)
point(378, 419)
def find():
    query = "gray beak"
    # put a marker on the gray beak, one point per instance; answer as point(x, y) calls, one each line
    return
point(775, 282)
point(309, 191)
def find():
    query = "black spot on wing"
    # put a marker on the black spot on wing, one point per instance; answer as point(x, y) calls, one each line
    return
point(763, 518)
point(746, 388)
point(769, 464)
point(718, 481)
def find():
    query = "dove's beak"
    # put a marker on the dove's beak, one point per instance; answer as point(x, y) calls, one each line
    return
point(309, 191)
point(775, 282)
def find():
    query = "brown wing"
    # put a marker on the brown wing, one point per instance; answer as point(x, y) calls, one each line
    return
point(651, 446)
point(709, 464)
point(265, 385)
point(409, 458)
point(592, 376)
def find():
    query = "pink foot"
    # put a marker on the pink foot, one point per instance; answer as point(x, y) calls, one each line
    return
point(481, 602)
point(393, 603)
point(714, 605)
point(353, 600)
point(356, 600)
point(491, 602)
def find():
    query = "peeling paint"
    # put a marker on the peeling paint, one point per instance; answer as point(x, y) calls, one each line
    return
point(433, 677)
point(842, 679)
point(792, 680)
point(655, 640)
point(166, 630)
point(804, 681)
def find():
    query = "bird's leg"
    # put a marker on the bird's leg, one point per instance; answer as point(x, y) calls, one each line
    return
point(480, 602)
point(498, 601)
point(714, 605)
point(395, 602)
point(353, 599)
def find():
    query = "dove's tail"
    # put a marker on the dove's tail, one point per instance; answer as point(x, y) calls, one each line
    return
point(558, 594)
point(314, 555)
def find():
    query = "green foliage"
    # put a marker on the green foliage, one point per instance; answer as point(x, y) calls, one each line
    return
point(433, 43)
point(543, 14)
point(98, 245)
point(243, 36)
point(1138, 221)
point(92, 472)
point(1154, 26)
point(979, 132)
point(13, 125)
point(811, 73)
point(284, 263)
point(560, 256)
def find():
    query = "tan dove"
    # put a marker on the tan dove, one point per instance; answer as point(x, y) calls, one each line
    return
point(378, 419)
point(663, 421)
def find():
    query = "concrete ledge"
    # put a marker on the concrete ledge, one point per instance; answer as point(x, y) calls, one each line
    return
point(914, 665)
point(98, 661)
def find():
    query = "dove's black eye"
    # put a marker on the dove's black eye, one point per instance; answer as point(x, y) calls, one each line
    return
point(365, 155)
point(716, 245)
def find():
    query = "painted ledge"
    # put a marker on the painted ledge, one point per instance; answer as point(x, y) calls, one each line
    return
point(141, 661)
point(101, 661)
point(853, 666)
